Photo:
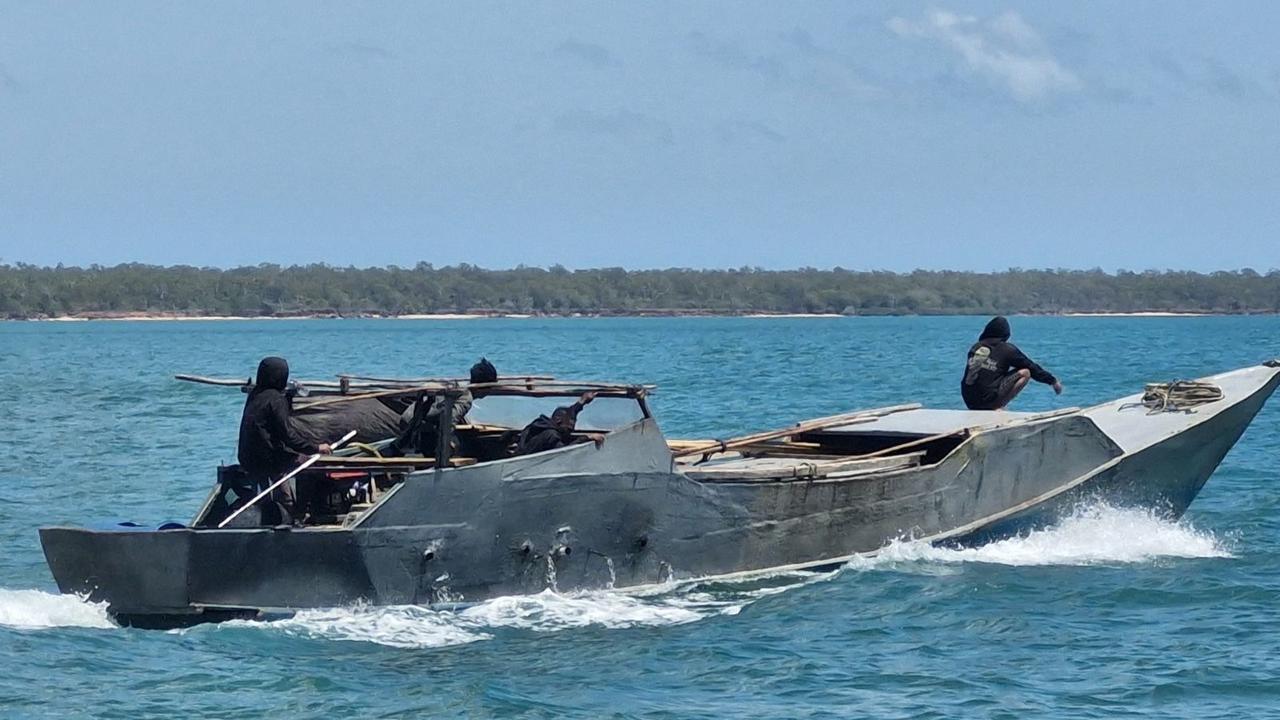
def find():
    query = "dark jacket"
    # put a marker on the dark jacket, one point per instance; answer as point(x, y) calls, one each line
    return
point(990, 361)
point(268, 443)
point(548, 433)
point(420, 425)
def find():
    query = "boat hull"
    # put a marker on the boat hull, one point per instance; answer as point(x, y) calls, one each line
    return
point(570, 520)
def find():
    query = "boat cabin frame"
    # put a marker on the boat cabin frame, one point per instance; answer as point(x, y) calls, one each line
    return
point(360, 469)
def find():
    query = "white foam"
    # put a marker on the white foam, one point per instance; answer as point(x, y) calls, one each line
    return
point(402, 626)
point(550, 612)
point(1095, 535)
point(34, 609)
point(411, 626)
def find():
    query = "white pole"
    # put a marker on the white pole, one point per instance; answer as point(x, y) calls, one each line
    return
point(305, 464)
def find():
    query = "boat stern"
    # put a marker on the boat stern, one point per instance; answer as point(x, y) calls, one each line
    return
point(131, 569)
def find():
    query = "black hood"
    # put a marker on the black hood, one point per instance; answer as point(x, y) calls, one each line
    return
point(997, 329)
point(273, 374)
point(484, 372)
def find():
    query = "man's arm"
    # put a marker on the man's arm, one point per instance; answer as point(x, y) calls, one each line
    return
point(1020, 361)
point(281, 430)
point(582, 402)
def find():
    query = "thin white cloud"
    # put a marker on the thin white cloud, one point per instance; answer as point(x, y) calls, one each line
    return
point(620, 124)
point(589, 53)
point(1004, 49)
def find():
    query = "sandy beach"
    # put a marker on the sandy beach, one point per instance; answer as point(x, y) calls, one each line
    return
point(1153, 313)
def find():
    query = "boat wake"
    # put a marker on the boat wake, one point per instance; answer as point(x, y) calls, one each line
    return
point(1094, 535)
point(409, 626)
point(34, 609)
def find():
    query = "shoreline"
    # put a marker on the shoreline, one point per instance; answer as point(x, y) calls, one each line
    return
point(1148, 313)
point(185, 317)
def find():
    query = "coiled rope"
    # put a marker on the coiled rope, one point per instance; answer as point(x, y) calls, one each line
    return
point(1178, 396)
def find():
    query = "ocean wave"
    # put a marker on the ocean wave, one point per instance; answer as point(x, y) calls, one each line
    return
point(1095, 535)
point(35, 609)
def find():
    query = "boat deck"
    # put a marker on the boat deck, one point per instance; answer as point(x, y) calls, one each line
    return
point(1126, 421)
point(931, 421)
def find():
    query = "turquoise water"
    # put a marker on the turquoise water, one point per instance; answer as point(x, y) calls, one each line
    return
point(1111, 614)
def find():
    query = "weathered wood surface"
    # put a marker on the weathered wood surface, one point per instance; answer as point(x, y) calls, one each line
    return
point(794, 468)
point(347, 461)
point(718, 446)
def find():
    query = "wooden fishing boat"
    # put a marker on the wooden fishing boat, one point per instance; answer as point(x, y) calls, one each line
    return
point(636, 509)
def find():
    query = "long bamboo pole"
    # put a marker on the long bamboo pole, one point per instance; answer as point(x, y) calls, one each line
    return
point(220, 382)
point(322, 402)
point(419, 381)
point(498, 388)
point(248, 382)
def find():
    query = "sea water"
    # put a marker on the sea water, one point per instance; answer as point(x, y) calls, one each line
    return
point(1112, 613)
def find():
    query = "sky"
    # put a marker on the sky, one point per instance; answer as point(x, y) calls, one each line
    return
point(949, 135)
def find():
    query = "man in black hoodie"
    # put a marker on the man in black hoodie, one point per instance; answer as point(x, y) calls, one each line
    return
point(997, 370)
point(269, 446)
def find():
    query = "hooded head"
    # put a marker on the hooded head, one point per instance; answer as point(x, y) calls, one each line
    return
point(273, 374)
point(997, 329)
point(483, 372)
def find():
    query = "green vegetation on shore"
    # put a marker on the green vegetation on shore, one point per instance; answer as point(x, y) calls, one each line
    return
point(28, 291)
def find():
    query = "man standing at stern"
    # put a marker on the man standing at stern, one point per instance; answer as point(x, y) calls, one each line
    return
point(269, 445)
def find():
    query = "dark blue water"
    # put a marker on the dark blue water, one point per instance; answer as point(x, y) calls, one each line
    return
point(1111, 614)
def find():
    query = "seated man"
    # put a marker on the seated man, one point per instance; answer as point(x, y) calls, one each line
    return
point(420, 423)
point(996, 370)
point(548, 433)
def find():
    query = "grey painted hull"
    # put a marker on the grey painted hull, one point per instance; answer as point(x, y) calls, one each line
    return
point(624, 515)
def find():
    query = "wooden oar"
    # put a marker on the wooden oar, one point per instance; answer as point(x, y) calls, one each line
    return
point(861, 416)
point(305, 464)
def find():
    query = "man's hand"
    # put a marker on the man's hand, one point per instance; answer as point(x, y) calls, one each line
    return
point(1057, 387)
point(596, 438)
point(324, 448)
point(587, 397)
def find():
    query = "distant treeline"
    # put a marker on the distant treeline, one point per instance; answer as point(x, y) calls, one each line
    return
point(28, 291)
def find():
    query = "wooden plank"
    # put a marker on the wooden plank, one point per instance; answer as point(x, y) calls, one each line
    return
point(220, 382)
point(853, 418)
point(779, 469)
point(346, 461)
point(420, 381)
point(772, 447)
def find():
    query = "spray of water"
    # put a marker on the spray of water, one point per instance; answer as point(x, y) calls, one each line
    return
point(1095, 535)
point(33, 609)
